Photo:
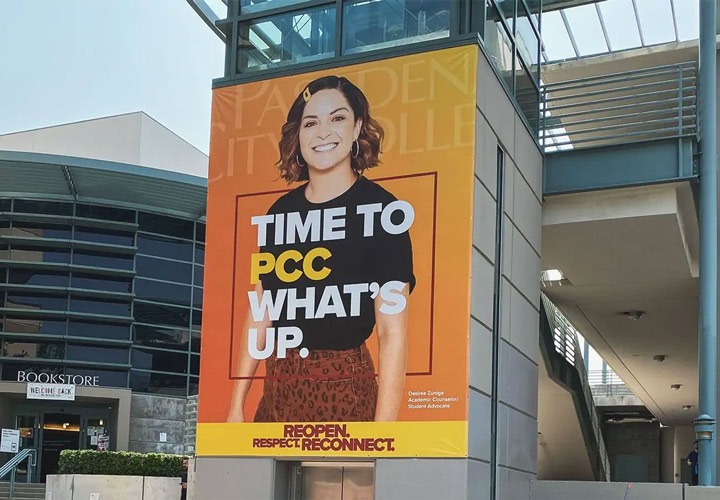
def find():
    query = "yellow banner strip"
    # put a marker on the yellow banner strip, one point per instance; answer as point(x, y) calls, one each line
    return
point(347, 439)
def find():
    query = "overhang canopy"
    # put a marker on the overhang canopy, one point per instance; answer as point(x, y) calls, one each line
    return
point(40, 175)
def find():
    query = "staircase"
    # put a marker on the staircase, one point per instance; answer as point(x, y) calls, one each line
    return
point(23, 491)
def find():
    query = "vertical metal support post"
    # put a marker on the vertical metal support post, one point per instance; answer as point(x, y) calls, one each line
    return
point(705, 425)
point(681, 75)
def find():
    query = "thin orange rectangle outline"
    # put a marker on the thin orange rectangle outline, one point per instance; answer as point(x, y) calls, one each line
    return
point(432, 281)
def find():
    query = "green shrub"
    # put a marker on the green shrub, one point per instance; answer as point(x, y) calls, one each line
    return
point(120, 463)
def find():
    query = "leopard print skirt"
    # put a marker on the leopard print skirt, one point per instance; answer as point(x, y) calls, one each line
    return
point(327, 386)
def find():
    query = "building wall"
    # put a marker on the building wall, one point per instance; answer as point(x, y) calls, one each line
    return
point(498, 125)
point(152, 415)
point(133, 138)
point(636, 440)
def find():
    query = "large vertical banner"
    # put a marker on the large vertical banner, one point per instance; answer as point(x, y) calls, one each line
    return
point(337, 282)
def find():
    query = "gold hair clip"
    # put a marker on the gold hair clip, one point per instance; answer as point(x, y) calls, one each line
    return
point(306, 94)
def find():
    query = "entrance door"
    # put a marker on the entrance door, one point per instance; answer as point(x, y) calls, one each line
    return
point(93, 427)
point(61, 431)
point(333, 481)
point(28, 425)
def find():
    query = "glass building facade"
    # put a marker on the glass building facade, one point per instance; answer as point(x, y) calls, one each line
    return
point(99, 290)
point(274, 37)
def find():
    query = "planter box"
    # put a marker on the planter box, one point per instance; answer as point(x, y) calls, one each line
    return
point(98, 487)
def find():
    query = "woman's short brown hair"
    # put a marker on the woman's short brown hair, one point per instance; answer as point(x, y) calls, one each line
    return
point(369, 140)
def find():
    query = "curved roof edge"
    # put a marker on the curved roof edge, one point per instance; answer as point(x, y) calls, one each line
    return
point(86, 179)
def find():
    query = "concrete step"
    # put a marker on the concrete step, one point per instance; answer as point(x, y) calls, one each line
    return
point(23, 491)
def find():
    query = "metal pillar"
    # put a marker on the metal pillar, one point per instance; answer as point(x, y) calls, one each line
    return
point(705, 425)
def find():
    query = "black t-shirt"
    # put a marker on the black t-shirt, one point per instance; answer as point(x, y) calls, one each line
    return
point(355, 259)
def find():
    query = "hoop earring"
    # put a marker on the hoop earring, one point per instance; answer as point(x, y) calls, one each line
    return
point(297, 160)
point(357, 151)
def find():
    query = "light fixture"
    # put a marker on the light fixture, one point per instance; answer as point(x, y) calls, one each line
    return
point(634, 315)
point(552, 275)
point(101, 422)
point(675, 387)
point(687, 407)
point(660, 357)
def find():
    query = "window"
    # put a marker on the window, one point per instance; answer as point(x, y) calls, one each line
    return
point(99, 330)
point(98, 306)
point(197, 297)
point(165, 338)
point(110, 378)
point(99, 259)
point(527, 40)
point(197, 319)
point(10, 370)
point(41, 230)
point(158, 383)
point(388, 23)
point(106, 284)
point(161, 246)
point(498, 44)
point(163, 269)
point(37, 278)
point(43, 207)
point(162, 292)
point(36, 302)
point(526, 95)
point(5, 205)
point(194, 364)
point(34, 254)
point(98, 354)
point(199, 275)
point(106, 236)
point(200, 232)
point(24, 349)
point(165, 361)
point(161, 315)
point(17, 324)
point(250, 6)
point(195, 341)
point(289, 38)
point(199, 253)
point(507, 7)
point(104, 213)
point(162, 224)
point(193, 386)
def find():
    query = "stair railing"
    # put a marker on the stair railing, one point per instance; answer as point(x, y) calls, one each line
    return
point(11, 466)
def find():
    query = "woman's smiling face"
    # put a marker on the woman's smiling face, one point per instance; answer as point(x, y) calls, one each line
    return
point(327, 130)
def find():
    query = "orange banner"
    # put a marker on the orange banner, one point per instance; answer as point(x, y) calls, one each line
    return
point(337, 280)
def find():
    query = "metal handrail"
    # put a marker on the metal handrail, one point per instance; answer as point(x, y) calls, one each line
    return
point(611, 109)
point(660, 70)
point(11, 466)
point(607, 383)
point(567, 344)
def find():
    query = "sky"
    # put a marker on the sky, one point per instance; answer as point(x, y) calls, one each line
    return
point(63, 61)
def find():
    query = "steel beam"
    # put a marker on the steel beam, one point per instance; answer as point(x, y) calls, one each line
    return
point(705, 425)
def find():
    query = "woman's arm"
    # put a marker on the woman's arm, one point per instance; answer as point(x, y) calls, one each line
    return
point(392, 337)
point(247, 365)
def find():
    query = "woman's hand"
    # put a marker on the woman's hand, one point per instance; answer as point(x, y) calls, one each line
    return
point(392, 337)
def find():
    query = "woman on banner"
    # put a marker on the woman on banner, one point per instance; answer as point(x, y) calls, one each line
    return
point(329, 140)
